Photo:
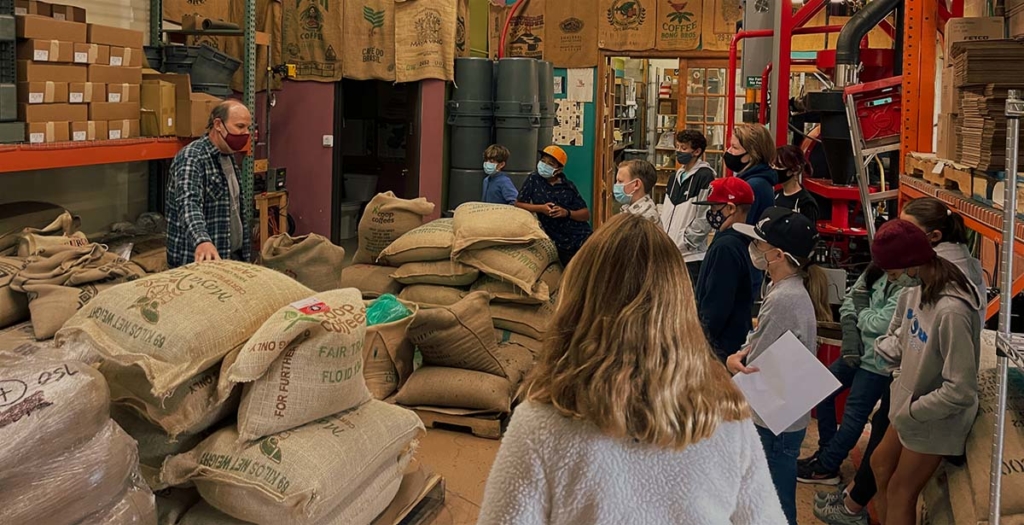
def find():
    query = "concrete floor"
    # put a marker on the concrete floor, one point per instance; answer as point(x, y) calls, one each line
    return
point(465, 461)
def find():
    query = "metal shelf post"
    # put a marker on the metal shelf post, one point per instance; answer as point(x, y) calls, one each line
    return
point(249, 99)
point(156, 21)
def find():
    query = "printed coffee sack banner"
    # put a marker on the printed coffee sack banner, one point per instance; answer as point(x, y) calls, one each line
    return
point(425, 39)
point(720, 17)
point(627, 25)
point(268, 20)
point(462, 40)
point(571, 33)
point(175, 10)
point(312, 38)
point(526, 31)
point(679, 24)
point(495, 22)
point(370, 40)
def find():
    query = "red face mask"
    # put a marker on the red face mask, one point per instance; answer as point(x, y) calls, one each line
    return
point(235, 142)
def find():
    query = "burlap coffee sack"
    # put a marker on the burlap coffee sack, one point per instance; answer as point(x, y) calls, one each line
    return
point(198, 404)
point(571, 33)
point(299, 476)
point(430, 242)
point(136, 505)
point(388, 354)
point(68, 486)
point(13, 305)
point(175, 324)
point(432, 296)
point(65, 401)
point(313, 39)
point(437, 386)
point(150, 255)
point(552, 276)
point(458, 336)
point(20, 340)
point(526, 30)
point(979, 443)
point(425, 33)
point(719, 25)
point(30, 244)
point(520, 264)
point(369, 29)
point(385, 220)
point(304, 363)
point(531, 321)
point(172, 504)
point(372, 281)
point(311, 259)
point(175, 10)
point(626, 25)
point(441, 273)
point(480, 225)
point(506, 292)
point(154, 443)
point(516, 359)
point(50, 222)
point(504, 336)
point(462, 40)
point(679, 25)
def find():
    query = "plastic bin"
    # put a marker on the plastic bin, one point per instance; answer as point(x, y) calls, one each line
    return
point(179, 59)
point(8, 102)
point(213, 67)
point(6, 7)
point(217, 90)
point(154, 57)
point(12, 132)
point(8, 63)
point(360, 188)
point(7, 28)
point(348, 219)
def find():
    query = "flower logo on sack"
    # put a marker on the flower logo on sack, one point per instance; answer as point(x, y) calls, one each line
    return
point(627, 14)
point(312, 19)
point(375, 18)
point(271, 448)
point(571, 25)
point(460, 34)
point(428, 28)
point(148, 308)
point(679, 14)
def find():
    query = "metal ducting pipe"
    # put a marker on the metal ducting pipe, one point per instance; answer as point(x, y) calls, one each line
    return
point(848, 43)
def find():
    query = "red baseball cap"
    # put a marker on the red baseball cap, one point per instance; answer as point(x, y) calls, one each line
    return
point(729, 189)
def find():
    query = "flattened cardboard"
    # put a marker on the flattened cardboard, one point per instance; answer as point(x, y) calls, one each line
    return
point(114, 36)
point(123, 129)
point(972, 30)
point(35, 113)
point(43, 132)
point(115, 74)
point(46, 51)
point(123, 93)
point(86, 92)
point(114, 111)
point(43, 92)
point(31, 7)
point(125, 57)
point(69, 13)
point(44, 28)
point(90, 130)
point(44, 71)
point(92, 54)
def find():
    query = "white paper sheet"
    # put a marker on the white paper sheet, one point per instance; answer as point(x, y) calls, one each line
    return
point(581, 84)
point(791, 382)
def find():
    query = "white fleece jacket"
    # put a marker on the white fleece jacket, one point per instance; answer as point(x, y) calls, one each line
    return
point(555, 470)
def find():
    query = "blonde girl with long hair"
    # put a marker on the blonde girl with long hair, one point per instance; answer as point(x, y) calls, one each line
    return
point(628, 417)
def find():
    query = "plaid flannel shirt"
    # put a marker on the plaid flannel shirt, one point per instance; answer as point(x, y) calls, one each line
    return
point(199, 205)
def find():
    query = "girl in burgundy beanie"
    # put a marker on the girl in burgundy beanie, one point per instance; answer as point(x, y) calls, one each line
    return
point(932, 346)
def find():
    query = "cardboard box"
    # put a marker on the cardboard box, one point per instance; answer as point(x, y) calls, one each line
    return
point(972, 29)
point(125, 56)
point(31, 7)
point(90, 130)
point(123, 129)
point(40, 132)
point(92, 54)
point(87, 92)
point(158, 108)
point(46, 51)
point(43, 28)
point(975, 8)
point(202, 106)
point(33, 113)
point(69, 13)
point(124, 93)
point(114, 36)
point(1015, 24)
point(115, 74)
point(113, 111)
point(946, 145)
point(43, 72)
point(43, 92)
point(949, 95)
point(182, 100)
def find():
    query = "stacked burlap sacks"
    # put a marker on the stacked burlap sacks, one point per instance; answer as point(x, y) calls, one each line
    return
point(386, 219)
point(465, 370)
point(63, 279)
point(310, 445)
point(388, 354)
point(163, 342)
point(61, 232)
point(311, 259)
point(63, 460)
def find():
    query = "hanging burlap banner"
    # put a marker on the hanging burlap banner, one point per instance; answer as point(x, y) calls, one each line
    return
point(425, 40)
point(720, 17)
point(268, 20)
point(312, 38)
point(370, 40)
point(679, 24)
point(525, 36)
point(495, 23)
point(627, 25)
point(571, 33)
point(175, 10)
point(462, 39)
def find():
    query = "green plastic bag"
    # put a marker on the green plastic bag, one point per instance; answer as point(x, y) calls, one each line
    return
point(386, 309)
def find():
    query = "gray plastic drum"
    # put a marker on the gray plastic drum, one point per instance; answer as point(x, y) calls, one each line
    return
point(473, 79)
point(465, 186)
point(517, 87)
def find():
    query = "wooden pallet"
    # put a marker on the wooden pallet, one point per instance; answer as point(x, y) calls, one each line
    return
point(489, 427)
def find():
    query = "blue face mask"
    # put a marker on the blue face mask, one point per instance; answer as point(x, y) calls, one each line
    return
point(619, 192)
point(544, 170)
point(490, 168)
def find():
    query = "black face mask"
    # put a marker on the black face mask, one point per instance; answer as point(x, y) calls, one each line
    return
point(784, 175)
point(734, 162)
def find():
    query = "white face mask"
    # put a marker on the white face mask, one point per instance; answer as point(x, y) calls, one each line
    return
point(757, 258)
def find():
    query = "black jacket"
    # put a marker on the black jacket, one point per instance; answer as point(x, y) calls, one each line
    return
point(724, 299)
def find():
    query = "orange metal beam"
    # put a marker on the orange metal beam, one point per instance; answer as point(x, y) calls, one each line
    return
point(27, 157)
point(920, 36)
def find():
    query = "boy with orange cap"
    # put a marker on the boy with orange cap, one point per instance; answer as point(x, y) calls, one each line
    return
point(558, 204)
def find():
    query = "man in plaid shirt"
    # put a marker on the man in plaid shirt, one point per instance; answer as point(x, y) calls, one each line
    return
point(204, 203)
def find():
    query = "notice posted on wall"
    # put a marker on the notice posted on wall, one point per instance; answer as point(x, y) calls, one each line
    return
point(581, 84)
point(569, 123)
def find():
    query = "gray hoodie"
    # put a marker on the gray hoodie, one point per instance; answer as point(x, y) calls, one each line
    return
point(959, 255)
point(934, 352)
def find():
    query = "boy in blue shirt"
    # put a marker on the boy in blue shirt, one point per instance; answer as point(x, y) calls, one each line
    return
point(498, 187)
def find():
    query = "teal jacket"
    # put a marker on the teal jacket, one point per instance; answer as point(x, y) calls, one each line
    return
point(874, 320)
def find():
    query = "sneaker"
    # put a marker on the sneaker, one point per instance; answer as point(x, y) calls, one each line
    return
point(808, 460)
point(836, 514)
point(814, 474)
point(824, 499)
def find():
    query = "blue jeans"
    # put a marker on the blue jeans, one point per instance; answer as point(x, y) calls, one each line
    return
point(782, 452)
point(866, 388)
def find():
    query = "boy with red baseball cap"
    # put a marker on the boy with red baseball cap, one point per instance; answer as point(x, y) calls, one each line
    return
point(724, 290)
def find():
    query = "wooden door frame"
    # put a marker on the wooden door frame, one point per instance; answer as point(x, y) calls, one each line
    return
point(600, 193)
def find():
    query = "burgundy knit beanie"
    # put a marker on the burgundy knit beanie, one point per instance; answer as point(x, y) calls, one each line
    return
point(899, 245)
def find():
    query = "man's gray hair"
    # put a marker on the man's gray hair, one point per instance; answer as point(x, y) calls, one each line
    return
point(221, 111)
